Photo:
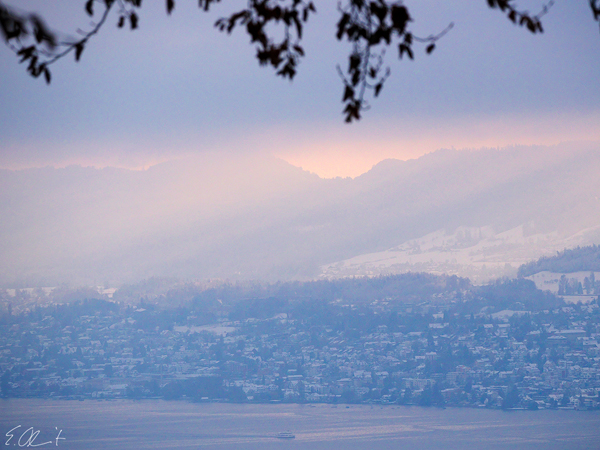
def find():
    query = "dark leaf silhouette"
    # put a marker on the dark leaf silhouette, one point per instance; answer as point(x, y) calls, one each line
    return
point(369, 27)
point(170, 6)
point(348, 93)
point(522, 18)
point(405, 49)
point(26, 53)
point(595, 5)
point(133, 20)
point(378, 87)
point(47, 75)
point(400, 18)
point(78, 50)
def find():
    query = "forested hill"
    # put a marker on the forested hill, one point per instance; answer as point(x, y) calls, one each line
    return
point(264, 300)
point(568, 261)
point(408, 287)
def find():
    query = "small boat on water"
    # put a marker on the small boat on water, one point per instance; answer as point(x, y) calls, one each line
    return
point(285, 435)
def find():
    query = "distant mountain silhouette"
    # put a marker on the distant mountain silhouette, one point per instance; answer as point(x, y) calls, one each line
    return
point(248, 216)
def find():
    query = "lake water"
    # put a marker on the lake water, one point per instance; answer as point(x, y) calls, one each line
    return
point(156, 424)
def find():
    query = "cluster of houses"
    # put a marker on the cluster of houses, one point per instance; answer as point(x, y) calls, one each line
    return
point(429, 355)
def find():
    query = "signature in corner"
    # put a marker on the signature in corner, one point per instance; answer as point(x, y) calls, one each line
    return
point(27, 438)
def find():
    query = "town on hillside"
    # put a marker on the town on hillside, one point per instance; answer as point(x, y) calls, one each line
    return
point(411, 339)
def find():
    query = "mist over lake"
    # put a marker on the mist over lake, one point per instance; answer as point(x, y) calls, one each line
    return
point(155, 424)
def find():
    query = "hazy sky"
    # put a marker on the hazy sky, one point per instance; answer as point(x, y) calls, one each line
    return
point(178, 86)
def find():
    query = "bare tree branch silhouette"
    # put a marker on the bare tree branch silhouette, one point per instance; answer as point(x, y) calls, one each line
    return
point(371, 27)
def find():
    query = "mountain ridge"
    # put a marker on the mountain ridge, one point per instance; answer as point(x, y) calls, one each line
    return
point(255, 216)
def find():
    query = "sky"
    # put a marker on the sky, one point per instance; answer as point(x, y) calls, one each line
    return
point(177, 86)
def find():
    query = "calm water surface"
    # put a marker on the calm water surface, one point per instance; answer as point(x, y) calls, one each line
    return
point(155, 424)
